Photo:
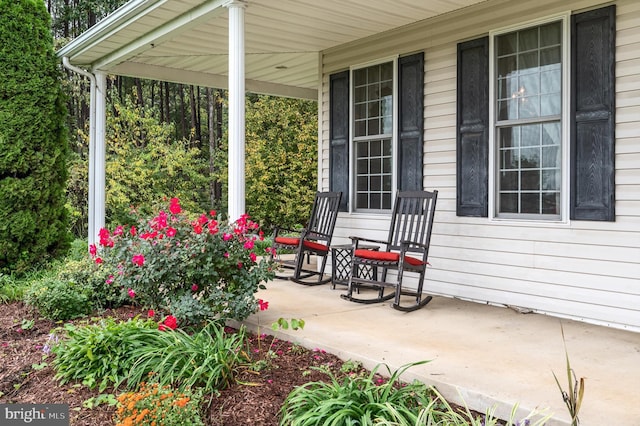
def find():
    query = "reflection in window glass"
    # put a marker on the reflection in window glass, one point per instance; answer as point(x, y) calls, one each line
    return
point(373, 127)
point(528, 96)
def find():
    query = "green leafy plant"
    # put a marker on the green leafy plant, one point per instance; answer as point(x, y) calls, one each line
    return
point(57, 299)
point(100, 354)
point(572, 397)
point(152, 404)
point(204, 268)
point(86, 274)
point(207, 359)
point(357, 399)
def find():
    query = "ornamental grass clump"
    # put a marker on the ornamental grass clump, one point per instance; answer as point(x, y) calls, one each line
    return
point(357, 400)
point(194, 268)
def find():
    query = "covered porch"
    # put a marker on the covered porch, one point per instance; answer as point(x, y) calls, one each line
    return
point(485, 355)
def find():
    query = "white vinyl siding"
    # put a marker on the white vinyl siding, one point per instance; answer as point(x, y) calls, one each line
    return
point(580, 269)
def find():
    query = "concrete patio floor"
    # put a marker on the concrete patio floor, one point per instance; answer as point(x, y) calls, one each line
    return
point(485, 355)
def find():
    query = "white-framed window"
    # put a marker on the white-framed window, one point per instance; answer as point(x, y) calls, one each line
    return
point(373, 118)
point(529, 115)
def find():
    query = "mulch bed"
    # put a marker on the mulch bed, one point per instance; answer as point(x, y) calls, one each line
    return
point(24, 378)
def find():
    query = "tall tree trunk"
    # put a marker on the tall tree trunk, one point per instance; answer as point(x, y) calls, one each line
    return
point(215, 189)
point(183, 118)
point(140, 100)
point(194, 120)
point(198, 117)
point(167, 113)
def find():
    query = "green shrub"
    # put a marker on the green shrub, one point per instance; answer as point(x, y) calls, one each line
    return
point(154, 405)
point(33, 139)
point(58, 299)
point(100, 354)
point(112, 353)
point(201, 268)
point(86, 274)
point(357, 400)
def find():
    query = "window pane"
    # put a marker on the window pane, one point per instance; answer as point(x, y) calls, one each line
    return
point(509, 137)
point(551, 180)
point(359, 77)
point(360, 94)
point(386, 71)
point(386, 200)
point(550, 105)
point(528, 39)
point(507, 44)
point(530, 158)
point(551, 34)
point(362, 184)
point(360, 128)
point(373, 127)
point(507, 66)
point(530, 135)
point(528, 62)
point(509, 159)
point(550, 82)
point(530, 203)
point(549, 57)
point(550, 157)
point(551, 203)
point(551, 134)
point(509, 203)
point(530, 180)
point(529, 107)
point(509, 181)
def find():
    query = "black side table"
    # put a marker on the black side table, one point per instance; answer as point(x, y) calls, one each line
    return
point(341, 264)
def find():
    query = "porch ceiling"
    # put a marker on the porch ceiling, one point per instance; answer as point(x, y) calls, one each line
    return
point(186, 41)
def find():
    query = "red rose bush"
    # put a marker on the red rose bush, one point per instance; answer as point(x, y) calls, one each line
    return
point(197, 268)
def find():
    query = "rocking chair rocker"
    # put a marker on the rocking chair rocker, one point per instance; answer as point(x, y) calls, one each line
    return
point(405, 250)
point(315, 239)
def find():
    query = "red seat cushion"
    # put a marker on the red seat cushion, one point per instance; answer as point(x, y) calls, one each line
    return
point(293, 241)
point(387, 256)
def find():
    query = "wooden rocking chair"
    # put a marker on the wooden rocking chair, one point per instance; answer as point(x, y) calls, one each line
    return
point(405, 250)
point(315, 239)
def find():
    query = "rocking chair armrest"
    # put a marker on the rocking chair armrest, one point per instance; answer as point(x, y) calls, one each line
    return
point(407, 243)
point(277, 229)
point(357, 240)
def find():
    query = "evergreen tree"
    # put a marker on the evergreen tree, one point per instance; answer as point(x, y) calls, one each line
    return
point(33, 138)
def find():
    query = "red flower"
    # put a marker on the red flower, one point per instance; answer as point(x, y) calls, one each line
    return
point(151, 313)
point(138, 259)
point(133, 231)
point(98, 260)
point(248, 244)
point(202, 219)
point(169, 322)
point(174, 206)
point(227, 237)
point(197, 228)
point(264, 305)
point(261, 235)
point(194, 288)
point(171, 232)
point(105, 239)
point(93, 250)
point(213, 227)
point(119, 230)
point(253, 256)
point(132, 293)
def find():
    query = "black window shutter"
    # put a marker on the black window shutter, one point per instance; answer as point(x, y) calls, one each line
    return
point(472, 139)
point(592, 115)
point(411, 121)
point(339, 136)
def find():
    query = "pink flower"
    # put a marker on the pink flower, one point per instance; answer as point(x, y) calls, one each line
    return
point(213, 227)
point(93, 250)
point(131, 293)
point(151, 313)
point(261, 235)
point(171, 232)
point(202, 219)
point(98, 260)
point(194, 288)
point(248, 244)
point(109, 280)
point(264, 305)
point(197, 228)
point(212, 213)
point(240, 265)
point(174, 206)
point(105, 239)
point(226, 254)
point(133, 231)
point(253, 256)
point(226, 236)
point(119, 230)
point(138, 259)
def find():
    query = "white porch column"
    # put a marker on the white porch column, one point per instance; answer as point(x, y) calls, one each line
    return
point(236, 196)
point(98, 197)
